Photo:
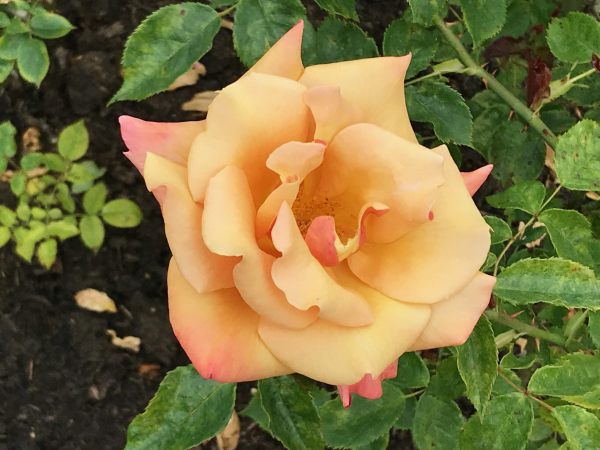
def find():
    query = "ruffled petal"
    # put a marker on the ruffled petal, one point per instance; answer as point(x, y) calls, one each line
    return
point(228, 229)
point(453, 320)
point(375, 86)
point(475, 179)
point(284, 58)
point(204, 270)
point(170, 140)
point(438, 258)
point(306, 283)
point(245, 123)
point(218, 331)
point(367, 387)
point(342, 355)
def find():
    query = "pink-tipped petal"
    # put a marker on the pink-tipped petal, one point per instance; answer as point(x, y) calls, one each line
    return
point(367, 387)
point(284, 58)
point(475, 179)
point(170, 140)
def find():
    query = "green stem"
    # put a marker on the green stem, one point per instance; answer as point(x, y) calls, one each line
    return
point(519, 107)
point(523, 391)
point(579, 321)
point(523, 327)
point(227, 11)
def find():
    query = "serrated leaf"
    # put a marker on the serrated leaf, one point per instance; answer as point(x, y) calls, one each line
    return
point(48, 25)
point(511, 361)
point(556, 281)
point(364, 421)
point(46, 253)
point(577, 156)
point(484, 18)
point(95, 198)
point(73, 141)
point(424, 11)
point(573, 378)
point(506, 425)
point(164, 47)
point(442, 106)
point(477, 361)
point(344, 8)
point(402, 37)
point(447, 384)
point(412, 372)
point(581, 427)
point(501, 385)
point(571, 235)
point(4, 235)
point(6, 68)
point(32, 60)
point(574, 38)
point(293, 418)
point(255, 411)
point(185, 411)
point(8, 146)
point(527, 196)
point(380, 443)
point(500, 229)
point(92, 232)
point(406, 419)
point(62, 229)
point(122, 213)
point(437, 424)
point(338, 40)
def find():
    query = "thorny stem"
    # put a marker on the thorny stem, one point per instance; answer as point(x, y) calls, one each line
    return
point(523, 391)
point(518, 325)
point(519, 107)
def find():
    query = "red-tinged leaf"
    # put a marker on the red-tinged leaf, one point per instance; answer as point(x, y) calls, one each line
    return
point(596, 62)
point(538, 82)
point(506, 46)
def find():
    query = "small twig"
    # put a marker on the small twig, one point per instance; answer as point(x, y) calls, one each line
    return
point(227, 10)
point(524, 391)
point(523, 327)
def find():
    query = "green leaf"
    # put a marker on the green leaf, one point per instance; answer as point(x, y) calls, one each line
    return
point(7, 216)
point(95, 198)
point(500, 229)
point(92, 231)
point(122, 213)
point(17, 183)
point(581, 427)
point(64, 197)
point(255, 411)
point(574, 38)
point(17, 26)
point(62, 229)
point(424, 11)
point(23, 211)
point(437, 424)
point(48, 25)
point(447, 384)
point(6, 68)
point(571, 235)
point(38, 213)
point(8, 145)
point(527, 196)
point(46, 253)
point(4, 20)
point(402, 37)
point(32, 161)
point(556, 281)
point(594, 328)
point(577, 157)
point(32, 60)
point(506, 425)
point(406, 419)
point(412, 372)
point(83, 174)
point(573, 378)
point(4, 236)
point(442, 106)
point(484, 18)
point(73, 141)
point(55, 162)
point(364, 421)
point(164, 47)
point(338, 40)
point(10, 45)
point(344, 8)
point(380, 443)
point(511, 361)
point(27, 238)
point(185, 411)
point(478, 363)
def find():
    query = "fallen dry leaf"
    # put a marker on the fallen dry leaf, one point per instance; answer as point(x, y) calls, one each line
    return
point(149, 370)
point(229, 438)
point(200, 102)
point(593, 196)
point(94, 300)
point(31, 140)
point(227, 24)
point(189, 78)
point(127, 342)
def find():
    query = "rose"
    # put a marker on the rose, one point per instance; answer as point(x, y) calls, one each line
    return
point(310, 231)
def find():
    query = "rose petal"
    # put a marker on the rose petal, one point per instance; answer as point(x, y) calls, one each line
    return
point(245, 123)
point(374, 85)
point(367, 387)
point(435, 260)
point(453, 320)
point(284, 57)
point(204, 270)
point(228, 229)
point(170, 140)
point(475, 179)
point(342, 355)
point(218, 331)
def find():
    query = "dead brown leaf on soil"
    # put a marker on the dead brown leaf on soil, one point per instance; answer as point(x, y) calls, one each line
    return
point(200, 102)
point(94, 300)
point(229, 438)
point(131, 343)
point(189, 78)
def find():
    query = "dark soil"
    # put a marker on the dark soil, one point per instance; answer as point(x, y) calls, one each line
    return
point(63, 385)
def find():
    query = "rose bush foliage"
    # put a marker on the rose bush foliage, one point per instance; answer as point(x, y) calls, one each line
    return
point(310, 231)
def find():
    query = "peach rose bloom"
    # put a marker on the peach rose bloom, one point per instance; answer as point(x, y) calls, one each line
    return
point(310, 231)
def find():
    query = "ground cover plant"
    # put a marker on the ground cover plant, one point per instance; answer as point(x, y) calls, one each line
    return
point(509, 83)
